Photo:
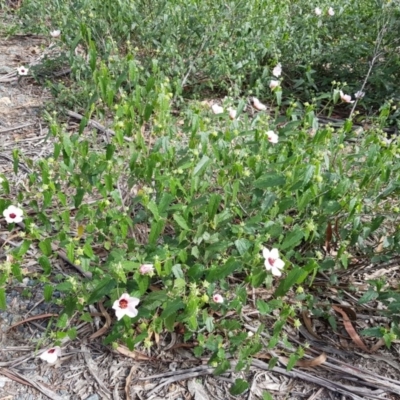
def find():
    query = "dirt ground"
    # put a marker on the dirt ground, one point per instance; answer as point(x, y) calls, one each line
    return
point(88, 370)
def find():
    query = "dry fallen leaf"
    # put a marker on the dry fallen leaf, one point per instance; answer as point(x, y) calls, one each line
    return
point(197, 390)
point(350, 329)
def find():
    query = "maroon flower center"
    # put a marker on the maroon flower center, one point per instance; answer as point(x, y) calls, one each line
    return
point(123, 303)
point(51, 351)
point(271, 261)
point(12, 215)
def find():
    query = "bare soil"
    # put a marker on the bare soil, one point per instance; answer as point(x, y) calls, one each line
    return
point(88, 370)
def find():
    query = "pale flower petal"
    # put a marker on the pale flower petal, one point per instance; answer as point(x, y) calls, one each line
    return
point(273, 84)
point(232, 113)
point(276, 271)
point(359, 94)
point(272, 137)
point(258, 105)
point(216, 109)
point(146, 269)
point(346, 98)
point(331, 12)
point(317, 11)
point(277, 71)
point(55, 34)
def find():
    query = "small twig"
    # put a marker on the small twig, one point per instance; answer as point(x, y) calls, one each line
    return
point(41, 316)
point(14, 128)
point(376, 55)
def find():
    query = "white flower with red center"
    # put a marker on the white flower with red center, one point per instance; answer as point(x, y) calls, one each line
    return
point(272, 261)
point(13, 214)
point(126, 305)
point(51, 355)
point(216, 109)
point(273, 84)
point(258, 105)
point(146, 269)
point(217, 298)
point(55, 34)
point(22, 70)
point(317, 11)
point(346, 98)
point(272, 137)
point(277, 71)
point(331, 12)
point(232, 113)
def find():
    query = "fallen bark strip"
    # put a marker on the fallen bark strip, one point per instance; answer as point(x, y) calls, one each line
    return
point(17, 377)
point(335, 387)
point(94, 124)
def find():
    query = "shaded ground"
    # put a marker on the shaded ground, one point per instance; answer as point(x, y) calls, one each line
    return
point(90, 370)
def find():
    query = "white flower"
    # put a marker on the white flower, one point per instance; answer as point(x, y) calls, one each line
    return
point(232, 113)
point(346, 98)
point(55, 34)
point(146, 269)
point(318, 11)
point(216, 109)
point(51, 355)
point(13, 214)
point(277, 71)
point(22, 70)
point(272, 137)
point(359, 94)
point(258, 105)
point(272, 261)
point(273, 84)
point(217, 298)
point(331, 12)
point(126, 305)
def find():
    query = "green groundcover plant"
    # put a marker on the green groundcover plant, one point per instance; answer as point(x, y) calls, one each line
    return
point(186, 207)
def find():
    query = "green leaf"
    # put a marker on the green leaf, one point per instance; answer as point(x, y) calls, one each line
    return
point(267, 396)
point(239, 387)
point(16, 270)
point(164, 203)
point(292, 239)
point(201, 165)
point(214, 202)
point(294, 276)
point(181, 221)
point(269, 180)
point(79, 196)
point(45, 246)
point(102, 289)
point(220, 272)
point(369, 295)
point(242, 245)
point(48, 292)
point(268, 201)
point(172, 307)
point(155, 231)
point(292, 361)
point(223, 366)
point(45, 264)
point(3, 300)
